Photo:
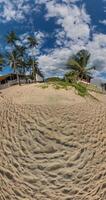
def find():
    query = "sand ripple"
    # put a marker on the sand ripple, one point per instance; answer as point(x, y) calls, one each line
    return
point(52, 152)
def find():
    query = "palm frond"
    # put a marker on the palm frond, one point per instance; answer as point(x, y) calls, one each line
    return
point(11, 38)
point(91, 68)
point(74, 65)
point(32, 41)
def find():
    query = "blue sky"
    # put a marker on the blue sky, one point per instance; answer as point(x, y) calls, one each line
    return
point(62, 27)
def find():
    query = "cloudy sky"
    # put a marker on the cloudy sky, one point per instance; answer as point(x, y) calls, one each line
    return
point(62, 27)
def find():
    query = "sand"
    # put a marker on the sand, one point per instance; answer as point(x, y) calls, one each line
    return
point(52, 145)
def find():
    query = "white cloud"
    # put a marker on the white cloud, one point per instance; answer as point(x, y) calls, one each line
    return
point(54, 62)
point(97, 47)
point(13, 10)
point(73, 20)
point(72, 36)
point(103, 21)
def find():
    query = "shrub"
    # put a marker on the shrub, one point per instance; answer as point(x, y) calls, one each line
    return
point(44, 86)
point(81, 89)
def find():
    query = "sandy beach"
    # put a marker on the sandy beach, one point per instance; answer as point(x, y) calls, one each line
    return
point(52, 145)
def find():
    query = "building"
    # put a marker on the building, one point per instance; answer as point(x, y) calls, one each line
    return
point(39, 78)
point(8, 77)
point(87, 79)
point(103, 85)
point(11, 79)
point(7, 80)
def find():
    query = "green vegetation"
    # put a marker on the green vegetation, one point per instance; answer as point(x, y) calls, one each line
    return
point(53, 79)
point(32, 43)
point(71, 77)
point(58, 83)
point(79, 70)
point(21, 56)
point(44, 86)
point(78, 64)
point(81, 89)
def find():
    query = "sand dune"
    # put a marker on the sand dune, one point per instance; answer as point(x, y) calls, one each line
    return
point(32, 94)
point(51, 152)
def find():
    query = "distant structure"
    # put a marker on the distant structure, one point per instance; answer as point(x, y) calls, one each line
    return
point(11, 79)
point(39, 78)
point(70, 77)
point(103, 85)
point(7, 80)
point(87, 79)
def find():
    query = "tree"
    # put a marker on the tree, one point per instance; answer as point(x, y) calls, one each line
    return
point(32, 43)
point(32, 65)
point(71, 76)
point(79, 64)
point(12, 59)
point(21, 58)
point(16, 53)
point(15, 61)
point(11, 38)
point(20, 50)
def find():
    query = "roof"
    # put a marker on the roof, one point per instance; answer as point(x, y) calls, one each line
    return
point(3, 77)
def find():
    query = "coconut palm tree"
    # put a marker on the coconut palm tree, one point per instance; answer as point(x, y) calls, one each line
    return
point(32, 65)
point(20, 50)
point(21, 58)
point(16, 53)
point(11, 38)
point(32, 43)
point(14, 61)
point(71, 76)
point(79, 64)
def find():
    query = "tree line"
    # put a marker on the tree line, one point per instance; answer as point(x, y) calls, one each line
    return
point(18, 55)
point(19, 58)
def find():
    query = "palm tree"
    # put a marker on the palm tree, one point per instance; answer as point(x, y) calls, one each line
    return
point(71, 76)
point(33, 65)
point(14, 62)
point(79, 64)
point(32, 43)
point(16, 54)
point(21, 58)
point(11, 38)
point(20, 50)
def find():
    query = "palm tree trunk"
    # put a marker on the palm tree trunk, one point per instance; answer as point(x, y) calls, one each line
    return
point(34, 71)
point(19, 81)
point(18, 78)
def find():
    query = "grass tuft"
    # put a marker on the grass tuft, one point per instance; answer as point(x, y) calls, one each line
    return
point(81, 89)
